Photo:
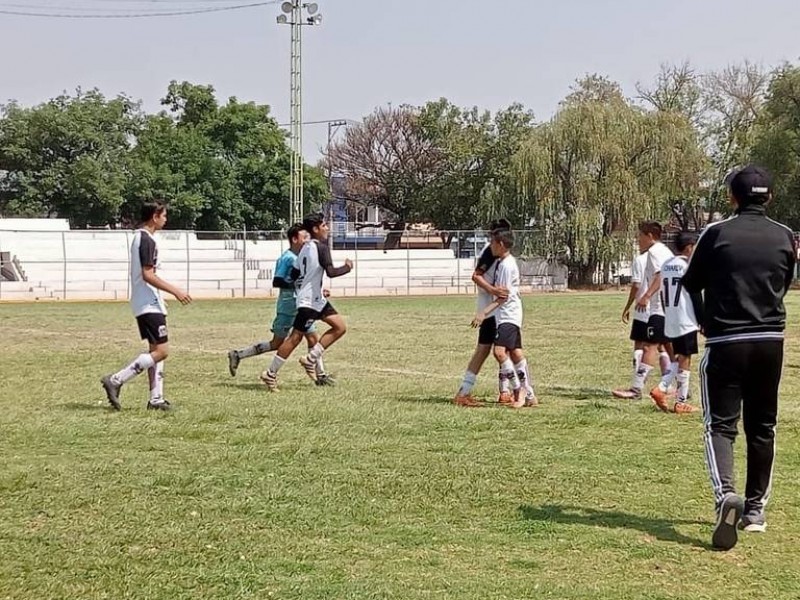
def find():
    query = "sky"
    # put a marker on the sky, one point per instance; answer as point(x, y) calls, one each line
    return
point(369, 53)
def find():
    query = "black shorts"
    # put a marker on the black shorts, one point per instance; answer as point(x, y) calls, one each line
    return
point(508, 336)
point(639, 331)
point(305, 318)
point(487, 332)
point(153, 327)
point(686, 345)
point(655, 330)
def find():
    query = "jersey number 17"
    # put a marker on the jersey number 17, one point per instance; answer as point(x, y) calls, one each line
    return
point(676, 286)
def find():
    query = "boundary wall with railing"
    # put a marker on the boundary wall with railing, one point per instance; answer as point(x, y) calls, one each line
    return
point(95, 265)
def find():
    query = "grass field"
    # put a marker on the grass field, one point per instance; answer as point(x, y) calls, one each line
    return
point(378, 488)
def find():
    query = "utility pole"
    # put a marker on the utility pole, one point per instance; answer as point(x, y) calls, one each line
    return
point(297, 14)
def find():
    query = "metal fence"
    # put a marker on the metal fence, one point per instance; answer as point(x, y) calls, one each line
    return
point(95, 264)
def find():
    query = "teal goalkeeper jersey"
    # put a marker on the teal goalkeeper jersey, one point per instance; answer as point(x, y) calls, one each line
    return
point(287, 305)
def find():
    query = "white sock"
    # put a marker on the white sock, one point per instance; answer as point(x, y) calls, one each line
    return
point(683, 385)
point(277, 363)
point(523, 374)
point(664, 362)
point(507, 375)
point(668, 377)
point(316, 352)
point(320, 367)
point(467, 383)
point(140, 365)
point(637, 359)
point(255, 350)
point(641, 376)
point(156, 376)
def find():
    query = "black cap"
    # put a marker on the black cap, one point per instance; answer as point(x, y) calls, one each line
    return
point(751, 185)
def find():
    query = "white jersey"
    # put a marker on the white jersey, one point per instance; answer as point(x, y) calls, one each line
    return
point(637, 277)
point(678, 308)
point(313, 262)
point(657, 255)
point(487, 264)
point(144, 297)
point(507, 276)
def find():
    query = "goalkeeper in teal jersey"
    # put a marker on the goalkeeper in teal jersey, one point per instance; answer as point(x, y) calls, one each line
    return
point(285, 309)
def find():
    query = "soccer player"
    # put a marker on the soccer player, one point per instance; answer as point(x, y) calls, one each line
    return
point(285, 308)
point(682, 314)
point(744, 267)
point(483, 277)
point(513, 377)
point(657, 254)
point(313, 262)
point(149, 309)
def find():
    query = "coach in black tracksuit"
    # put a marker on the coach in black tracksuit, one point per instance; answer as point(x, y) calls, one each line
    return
point(744, 267)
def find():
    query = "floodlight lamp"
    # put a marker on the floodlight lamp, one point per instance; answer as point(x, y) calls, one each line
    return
point(312, 8)
point(287, 7)
point(282, 20)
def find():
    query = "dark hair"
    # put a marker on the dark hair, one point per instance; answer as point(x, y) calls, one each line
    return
point(294, 231)
point(685, 238)
point(504, 237)
point(499, 224)
point(651, 228)
point(313, 220)
point(150, 209)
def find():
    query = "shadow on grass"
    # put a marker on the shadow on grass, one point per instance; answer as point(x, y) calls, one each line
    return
point(577, 393)
point(661, 529)
point(252, 385)
point(427, 399)
point(84, 406)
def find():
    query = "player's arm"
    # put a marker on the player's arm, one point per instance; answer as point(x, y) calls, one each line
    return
point(285, 276)
point(485, 261)
point(626, 312)
point(792, 263)
point(147, 257)
point(655, 288)
point(326, 262)
point(480, 317)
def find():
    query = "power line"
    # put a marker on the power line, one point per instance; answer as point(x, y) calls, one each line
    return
point(140, 15)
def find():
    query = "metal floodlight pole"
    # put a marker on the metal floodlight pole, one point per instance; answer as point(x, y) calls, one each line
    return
point(297, 14)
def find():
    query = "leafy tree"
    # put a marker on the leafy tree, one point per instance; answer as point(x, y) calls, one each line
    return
point(67, 157)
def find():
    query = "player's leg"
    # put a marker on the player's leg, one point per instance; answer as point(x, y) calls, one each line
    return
point(153, 329)
point(486, 335)
point(505, 342)
point(659, 393)
point(337, 327)
point(639, 335)
point(281, 326)
point(155, 374)
point(323, 378)
point(302, 323)
point(666, 359)
point(685, 348)
point(760, 400)
point(722, 372)
point(523, 388)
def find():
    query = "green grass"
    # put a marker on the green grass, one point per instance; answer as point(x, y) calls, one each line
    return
point(378, 488)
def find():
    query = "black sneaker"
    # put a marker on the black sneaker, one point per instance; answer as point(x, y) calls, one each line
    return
point(729, 514)
point(325, 379)
point(159, 405)
point(112, 391)
point(233, 362)
point(753, 522)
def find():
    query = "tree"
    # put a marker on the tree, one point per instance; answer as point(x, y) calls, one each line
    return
point(599, 167)
point(777, 143)
point(388, 162)
point(67, 157)
point(221, 167)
